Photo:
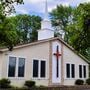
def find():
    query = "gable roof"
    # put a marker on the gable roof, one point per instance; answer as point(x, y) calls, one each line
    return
point(43, 41)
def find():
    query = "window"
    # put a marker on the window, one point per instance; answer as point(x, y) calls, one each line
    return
point(16, 67)
point(39, 69)
point(84, 71)
point(35, 68)
point(21, 66)
point(72, 70)
point(42, 73)
point(80, 71)
point(68, 70)
point(12, 67)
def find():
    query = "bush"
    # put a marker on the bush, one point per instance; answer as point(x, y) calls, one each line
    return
point(29, 83)
point(88, 81)
point(79, 82)
point(41, 86)
point(5, 83)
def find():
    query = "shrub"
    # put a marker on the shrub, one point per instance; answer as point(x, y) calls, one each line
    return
point(29, 83)
point(41, 86)
point(88, 81)
point(79, 82)
point(5, 83)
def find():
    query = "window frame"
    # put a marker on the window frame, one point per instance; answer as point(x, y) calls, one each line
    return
point(39, 67)
point(8, 66)
point(16, 69)
point(33, 68)
point(82, 65)
point(70, 71)
point(73, 75)
point(41, 70)
point(81, 71)
point(84, 71)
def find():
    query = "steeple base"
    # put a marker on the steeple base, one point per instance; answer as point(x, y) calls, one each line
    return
point(45, 34)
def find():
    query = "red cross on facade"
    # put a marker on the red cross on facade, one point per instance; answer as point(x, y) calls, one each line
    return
point(57, 54)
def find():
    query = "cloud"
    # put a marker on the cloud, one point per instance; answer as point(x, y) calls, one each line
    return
point(37, 6)
point(34, 1)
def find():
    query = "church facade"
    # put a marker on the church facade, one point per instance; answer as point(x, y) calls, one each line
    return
point(49, 61)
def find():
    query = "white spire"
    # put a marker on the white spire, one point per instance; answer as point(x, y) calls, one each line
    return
point(46, 11)
point(46, 23)
point(46, 31)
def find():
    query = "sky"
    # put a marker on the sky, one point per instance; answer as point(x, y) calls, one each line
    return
point(37, 7)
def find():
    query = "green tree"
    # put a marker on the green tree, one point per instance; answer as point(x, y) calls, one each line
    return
point(61, 18)
point(35, 25)
point(80, 30)
point(76, 23)
point(26, 27)
point(8, 5)
point(23, 27)
point(8, 35)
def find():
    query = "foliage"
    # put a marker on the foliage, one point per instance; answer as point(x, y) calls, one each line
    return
point(19, 29)
point(76, 24)
point(29, 83)
point(88, 81)
point(8, 34)
point(79, 82)
point(80, 30)
point(35, 26)
point(27, 25)
point(8, 6)
point(61, 17)
point(5, 83)
point(42, 86)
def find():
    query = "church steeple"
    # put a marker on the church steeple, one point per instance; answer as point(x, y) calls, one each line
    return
point(46, 26)
point(46, 23)
point(46, 11)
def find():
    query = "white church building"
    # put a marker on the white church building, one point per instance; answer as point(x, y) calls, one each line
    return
point(49, 61)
